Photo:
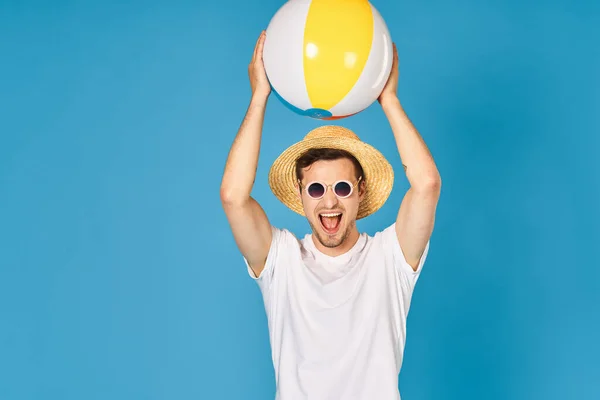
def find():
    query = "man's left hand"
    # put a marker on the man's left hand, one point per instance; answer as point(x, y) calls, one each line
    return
point(390, 89)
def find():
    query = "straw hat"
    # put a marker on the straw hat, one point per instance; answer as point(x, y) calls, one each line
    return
point(378, 173)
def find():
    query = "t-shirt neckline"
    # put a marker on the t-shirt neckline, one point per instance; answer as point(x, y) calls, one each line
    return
point(340, 258)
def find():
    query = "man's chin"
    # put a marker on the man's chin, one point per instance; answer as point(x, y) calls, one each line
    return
point(327, 239)
point(331, 240)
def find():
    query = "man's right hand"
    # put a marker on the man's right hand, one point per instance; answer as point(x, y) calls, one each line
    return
point(249, 223)
point(256, 71)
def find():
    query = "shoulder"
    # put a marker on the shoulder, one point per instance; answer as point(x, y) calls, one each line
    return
point(386, 238)
point(284, 236)
point(283, 246)
point(387, 241)
point(284, 243)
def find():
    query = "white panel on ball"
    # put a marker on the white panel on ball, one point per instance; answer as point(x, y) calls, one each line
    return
point(283, 52)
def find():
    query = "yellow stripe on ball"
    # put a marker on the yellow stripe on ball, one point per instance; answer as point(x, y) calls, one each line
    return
point(337, 42)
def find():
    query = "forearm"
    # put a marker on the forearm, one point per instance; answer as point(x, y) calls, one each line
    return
point(418, 162)
point(242, 161)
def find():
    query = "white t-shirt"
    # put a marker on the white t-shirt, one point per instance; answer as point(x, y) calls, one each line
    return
point(337, 325)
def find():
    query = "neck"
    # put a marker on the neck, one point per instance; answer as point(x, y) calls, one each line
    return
point(342, 248)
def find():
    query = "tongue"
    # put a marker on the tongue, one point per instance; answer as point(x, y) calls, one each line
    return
point(330, 223)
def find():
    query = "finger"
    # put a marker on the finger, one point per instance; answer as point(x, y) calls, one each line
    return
point(395, 54)
point(257, 47)
point(261, 45)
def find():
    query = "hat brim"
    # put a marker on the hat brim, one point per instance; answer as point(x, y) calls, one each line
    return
point(378, 173)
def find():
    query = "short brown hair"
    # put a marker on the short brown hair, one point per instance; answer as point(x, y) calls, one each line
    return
point(313, 155)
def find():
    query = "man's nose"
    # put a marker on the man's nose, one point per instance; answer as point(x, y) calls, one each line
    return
point(330, 200)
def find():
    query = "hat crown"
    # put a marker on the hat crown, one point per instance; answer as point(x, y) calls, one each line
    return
point(331, 131)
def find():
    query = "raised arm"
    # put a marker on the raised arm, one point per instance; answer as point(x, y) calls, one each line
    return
point(416, 216)
point(249, 224)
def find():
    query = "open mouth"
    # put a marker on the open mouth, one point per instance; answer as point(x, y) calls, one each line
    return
point(331, 222)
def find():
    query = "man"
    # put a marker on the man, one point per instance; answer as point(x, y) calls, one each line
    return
point(336, 300)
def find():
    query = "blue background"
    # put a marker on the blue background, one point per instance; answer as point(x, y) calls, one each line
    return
point(119, 277)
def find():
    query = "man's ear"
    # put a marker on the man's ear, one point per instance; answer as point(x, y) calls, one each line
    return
point(362, 189)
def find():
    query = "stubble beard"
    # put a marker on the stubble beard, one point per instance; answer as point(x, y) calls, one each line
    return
point(332, 242)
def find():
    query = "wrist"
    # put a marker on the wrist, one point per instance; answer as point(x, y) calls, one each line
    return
point(259, 99)
point(390, 102)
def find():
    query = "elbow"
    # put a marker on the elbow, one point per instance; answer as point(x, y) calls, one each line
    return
point(431, 183)
point(227, 195)
point(230, 196)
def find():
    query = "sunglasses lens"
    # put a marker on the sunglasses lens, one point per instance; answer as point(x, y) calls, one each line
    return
point(343, 189)
point(315, 190)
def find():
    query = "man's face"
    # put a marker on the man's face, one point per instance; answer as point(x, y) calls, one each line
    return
point(331, 218)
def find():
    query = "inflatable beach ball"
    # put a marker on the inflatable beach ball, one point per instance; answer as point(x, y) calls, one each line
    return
point(327, 59)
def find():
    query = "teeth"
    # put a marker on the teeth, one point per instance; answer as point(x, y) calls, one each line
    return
point(331, 215)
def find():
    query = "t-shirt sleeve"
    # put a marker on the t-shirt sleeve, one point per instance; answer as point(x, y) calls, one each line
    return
point(269, 271)
point(391, 243)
